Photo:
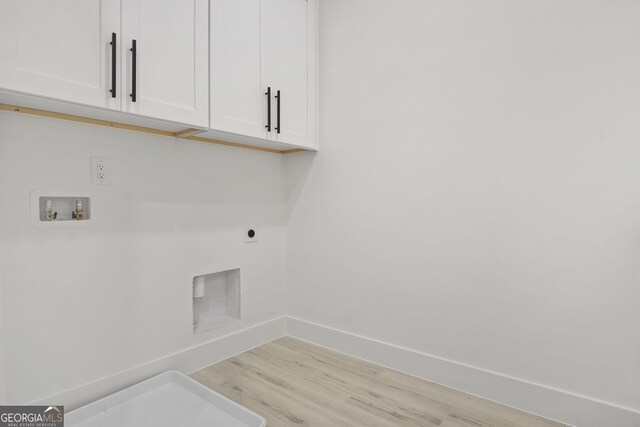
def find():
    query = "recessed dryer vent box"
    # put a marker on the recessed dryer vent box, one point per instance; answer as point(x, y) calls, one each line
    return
point(216, 299)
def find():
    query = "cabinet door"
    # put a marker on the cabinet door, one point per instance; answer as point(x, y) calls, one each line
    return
point(294, 69)
point(60, 49)
point(171, 79)
point(239, 68)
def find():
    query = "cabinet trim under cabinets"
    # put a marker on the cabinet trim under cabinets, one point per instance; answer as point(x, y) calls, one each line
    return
point(187, 133)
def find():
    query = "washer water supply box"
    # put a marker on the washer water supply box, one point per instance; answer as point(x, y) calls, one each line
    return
point(170, 399)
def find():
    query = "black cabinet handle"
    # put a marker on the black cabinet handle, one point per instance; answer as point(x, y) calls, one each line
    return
point(279, 98)
point(113, 65)
point(134, 51)
point(268, 93)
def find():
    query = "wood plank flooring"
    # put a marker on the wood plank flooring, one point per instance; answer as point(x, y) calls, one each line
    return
point(294, 383)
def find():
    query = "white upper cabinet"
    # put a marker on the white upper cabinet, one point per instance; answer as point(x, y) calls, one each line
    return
point(170, 76)
point(61, 49)
point(293, 69)
point(64, 50)
point(239, 68)
point(263, 69)
point(243, 69)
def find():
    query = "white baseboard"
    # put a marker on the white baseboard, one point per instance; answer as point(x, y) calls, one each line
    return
point(555, 404)
point(548, 402)
point(185, 361)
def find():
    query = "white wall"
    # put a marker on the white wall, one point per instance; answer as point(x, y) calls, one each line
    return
point(2, 378)
point(476, 196)
point(79, 304)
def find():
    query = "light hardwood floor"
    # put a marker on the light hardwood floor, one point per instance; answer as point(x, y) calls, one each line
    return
point(294, 383)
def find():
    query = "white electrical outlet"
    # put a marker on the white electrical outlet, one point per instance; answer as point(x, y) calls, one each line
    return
point(100, 172)
point(251, 235)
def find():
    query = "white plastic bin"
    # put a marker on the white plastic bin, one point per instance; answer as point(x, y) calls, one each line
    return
point(170, 399)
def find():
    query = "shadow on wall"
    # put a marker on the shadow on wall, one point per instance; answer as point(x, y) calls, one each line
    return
point(158, 184)
point(120, 290)
point(297, 167)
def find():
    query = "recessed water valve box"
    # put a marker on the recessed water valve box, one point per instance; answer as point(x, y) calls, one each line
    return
point(61, 208)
